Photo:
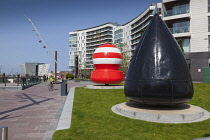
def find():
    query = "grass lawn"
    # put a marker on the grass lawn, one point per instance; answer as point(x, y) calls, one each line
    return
point(92, 119)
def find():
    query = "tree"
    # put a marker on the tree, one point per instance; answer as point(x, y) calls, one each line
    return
point(69, 76)
point(179, 41)
point(142, 30)
point(126, 56)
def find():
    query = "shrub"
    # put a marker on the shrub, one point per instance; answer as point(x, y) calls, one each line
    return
point(69, 76)
point(87, 76)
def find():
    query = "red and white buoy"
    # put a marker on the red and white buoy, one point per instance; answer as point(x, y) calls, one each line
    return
point(107, 59)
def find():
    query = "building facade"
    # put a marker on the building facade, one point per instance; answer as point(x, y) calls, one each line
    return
point(82, 43)
point(34, 69)
point(188, 21)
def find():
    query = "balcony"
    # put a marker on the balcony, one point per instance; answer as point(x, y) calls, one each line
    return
point(135, 41)
point(177, 11)
point(89, 67)
point(142, 20)
point(177, 30)
point(133, 31)
point(137, 35)
point(99, 35)
point(89, 62)
point(99, 31)
point(101, 38)
point(90, 51)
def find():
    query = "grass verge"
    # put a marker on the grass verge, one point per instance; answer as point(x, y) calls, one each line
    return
point(92, 119)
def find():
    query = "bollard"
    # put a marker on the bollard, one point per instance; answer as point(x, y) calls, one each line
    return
point(4, 133)
point(64, 88)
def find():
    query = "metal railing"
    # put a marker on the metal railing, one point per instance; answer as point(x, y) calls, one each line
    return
point(177, 30)
point(177, 11)
point(20, 81)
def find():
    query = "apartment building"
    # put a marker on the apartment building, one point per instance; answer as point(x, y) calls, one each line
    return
point(82, 43)
point(188, 21)
point(135, 28)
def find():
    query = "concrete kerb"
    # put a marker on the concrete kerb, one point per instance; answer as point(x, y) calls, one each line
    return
point(195, 114)
point(62, 119)
point(153, 118)
point(65, 119)
point(53, 125)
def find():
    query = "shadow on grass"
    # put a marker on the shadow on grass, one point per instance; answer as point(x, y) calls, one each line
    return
point(207, 135)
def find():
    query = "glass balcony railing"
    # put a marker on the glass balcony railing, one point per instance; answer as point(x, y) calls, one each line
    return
point(177, 11)
point(177, 30)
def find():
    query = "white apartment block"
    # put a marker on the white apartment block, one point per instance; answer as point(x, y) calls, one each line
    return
point(188, 21)
point(82, 43)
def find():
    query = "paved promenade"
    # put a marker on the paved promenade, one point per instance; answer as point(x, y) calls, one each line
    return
point(29, 113)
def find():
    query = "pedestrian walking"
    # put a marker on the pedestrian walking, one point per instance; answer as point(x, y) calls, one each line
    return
point(44, 78)
point(3, 77)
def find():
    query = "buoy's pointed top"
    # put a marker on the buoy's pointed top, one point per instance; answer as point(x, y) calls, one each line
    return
point(156, 14)
point(156, 10)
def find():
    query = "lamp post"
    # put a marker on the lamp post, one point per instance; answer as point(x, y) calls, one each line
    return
point(79, 63)
point(0, 69)
point(55, 67)
point(76, 66)
point(45, 47)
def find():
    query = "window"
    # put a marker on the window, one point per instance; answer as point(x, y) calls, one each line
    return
point(208, 5)
point(180, 9)
point(186, 44)
point(209, 43)
point(73, 35)
point(181, 27)
point(177, 9)
point(209, 24)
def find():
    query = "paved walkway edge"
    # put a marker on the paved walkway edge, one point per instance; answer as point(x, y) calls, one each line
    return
point(52, 128)
point(65, 119)
point(62, 118)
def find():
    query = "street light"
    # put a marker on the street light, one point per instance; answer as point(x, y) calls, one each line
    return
point(45, 46)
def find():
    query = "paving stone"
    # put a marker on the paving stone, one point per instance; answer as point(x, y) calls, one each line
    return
point(32, 112)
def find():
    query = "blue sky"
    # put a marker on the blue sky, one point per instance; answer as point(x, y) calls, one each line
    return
point(54, 19)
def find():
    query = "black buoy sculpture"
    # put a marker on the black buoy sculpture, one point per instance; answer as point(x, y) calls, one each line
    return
point(158, 73)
